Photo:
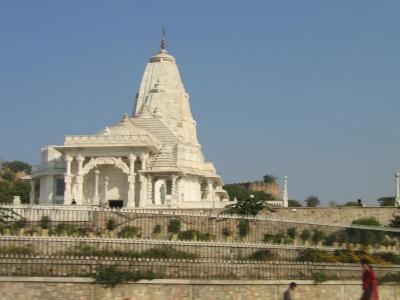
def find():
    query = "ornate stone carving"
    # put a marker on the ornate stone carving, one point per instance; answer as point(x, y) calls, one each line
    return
point(94, 162)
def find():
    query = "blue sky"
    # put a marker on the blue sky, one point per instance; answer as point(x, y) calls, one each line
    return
point(307, 89)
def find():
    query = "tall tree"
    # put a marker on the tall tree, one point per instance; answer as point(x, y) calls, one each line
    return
point(17, 166)
point(312, 201)
point(269, 179)
point(387, 201)
point(294, 203)
point(251, 205)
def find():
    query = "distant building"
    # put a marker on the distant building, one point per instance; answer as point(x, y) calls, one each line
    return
point(261, 186)
point(151, 159)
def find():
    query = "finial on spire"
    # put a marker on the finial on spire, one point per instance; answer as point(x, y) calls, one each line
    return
point(164, 40)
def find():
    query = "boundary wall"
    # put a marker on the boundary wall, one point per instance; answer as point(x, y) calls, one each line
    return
point(50, 288)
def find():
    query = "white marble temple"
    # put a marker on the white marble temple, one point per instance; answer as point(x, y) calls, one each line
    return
point(150, 159)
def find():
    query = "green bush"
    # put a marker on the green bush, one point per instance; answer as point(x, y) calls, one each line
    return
point(305, 235)
point(390, 277)
point(156, 252)
point(320, 277)
point(370, 221)
point(262, 254)
point(268, 238)
point(318, 236)
point(191, 235)
point(174, 226)
point(278, 238)
point(21, 223)
point(226, 232)
point(111, 276)
point(67, 229)
point(157, 229)
point(111, 224)
point(128, 232)
point(291, 232)
point(45, 222)
point(27, 250)
point(244, 227)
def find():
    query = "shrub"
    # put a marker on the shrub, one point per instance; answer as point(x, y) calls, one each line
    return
point(226, 232)
point(21, 223)
point(191, 235)
point(45, 222)
point(157, 229)
point(244, 227)
point(268, 238)
point(262, 254)
point(174, 226)
point(291, 232)
point(82, 231)
point(395, 222)
point(15, 250)
point(390, 277)
point(278, 238)
point(318, 236)
point(128, 232)
point(370, 221)
point(111, 224)
point(320, 277)
point(305, 235)
point(62, 228)
point(111, 276)
point(156, 252)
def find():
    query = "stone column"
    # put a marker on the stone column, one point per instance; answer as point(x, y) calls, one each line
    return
point(68, 180)
point(32, 193)
point(285, 197)
point(143, 191)
point(210, 195)
point(143, 158)
point(397, 180)
point(150, 189)
point(79, 180)
point(131, 181)
point(96, 200)
point(173, 189)
point(105, 200)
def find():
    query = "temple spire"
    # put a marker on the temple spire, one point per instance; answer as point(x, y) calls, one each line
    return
point(164, 40)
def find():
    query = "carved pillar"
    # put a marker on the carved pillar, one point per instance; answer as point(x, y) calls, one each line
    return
point(150, 189)
point(285, 197)
point(397, 180)
point(68, 180)
point(105, 200)
point(131, 181)
point(96, 200)
point(79, 180)
point(143, 158)
point(143, 191)
point(173, 189)
point(32, 193)
point(209, 189)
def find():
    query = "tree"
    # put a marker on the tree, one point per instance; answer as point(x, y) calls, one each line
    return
point(5, 192)
point(269, 179)
point(21, 188)
point(312, 201)
point(387, 201)
point(17, 166)
point(251, 205)
point(294, 203)
point(236, 192)
point(351, 204)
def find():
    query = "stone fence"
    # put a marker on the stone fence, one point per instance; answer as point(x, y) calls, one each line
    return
point(14, 265)
point(221, 227)
point(111, 247)
point(56, 288)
